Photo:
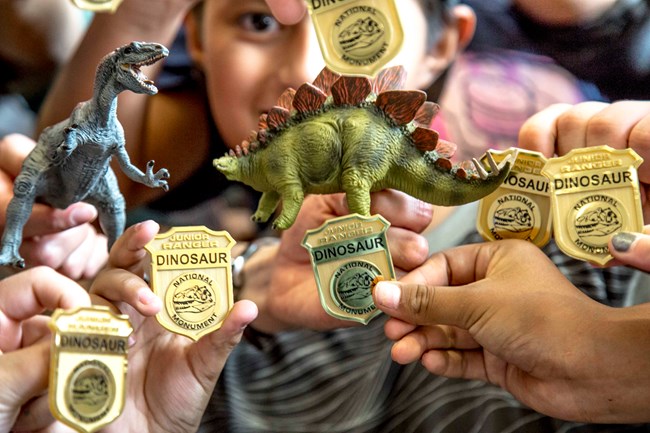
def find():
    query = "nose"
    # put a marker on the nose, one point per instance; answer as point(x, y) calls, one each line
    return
point(304, 62)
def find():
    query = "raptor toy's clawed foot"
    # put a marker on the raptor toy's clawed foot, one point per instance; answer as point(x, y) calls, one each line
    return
point(10, 257)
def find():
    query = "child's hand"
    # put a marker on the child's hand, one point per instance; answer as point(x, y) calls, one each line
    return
point(562, 127)
point(61, 239)
point(162, 363)
point(292, 296)
point(25, 343)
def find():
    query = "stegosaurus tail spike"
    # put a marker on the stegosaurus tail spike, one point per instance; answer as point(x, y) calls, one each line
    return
point(286, 99)
point(393, 78)
point(308, 98)
point(426, 113)
point(325, 79)
point(425, 139)
point(278, 116)
point(401, 105)
point(351, 90)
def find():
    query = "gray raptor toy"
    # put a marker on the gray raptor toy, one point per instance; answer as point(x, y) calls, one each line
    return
point(71, 161)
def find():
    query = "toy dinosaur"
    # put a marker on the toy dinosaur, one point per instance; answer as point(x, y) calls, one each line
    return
point(354, 135)
point(70, 162)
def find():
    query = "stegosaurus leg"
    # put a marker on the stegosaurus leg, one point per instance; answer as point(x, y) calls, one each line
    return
point(267, 205)
point(292, 198)
point(111, 207)
point(357, 191)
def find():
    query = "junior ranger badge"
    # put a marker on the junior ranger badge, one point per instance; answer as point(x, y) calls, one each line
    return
point(521, 207)
point(347, 254)
point(191, 274)
point(88, 367)
point(98, 5)
point(357, 36)
point(595, 195)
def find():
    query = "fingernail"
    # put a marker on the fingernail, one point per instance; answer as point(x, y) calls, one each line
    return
point(146, 296)
point(387, 295)
point(83, 214)
point(623, 241)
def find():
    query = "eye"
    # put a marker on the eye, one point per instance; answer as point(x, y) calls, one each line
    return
point(128, 50)
point(259, 23)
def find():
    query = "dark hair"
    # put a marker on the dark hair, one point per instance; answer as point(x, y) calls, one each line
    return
point(438, 15)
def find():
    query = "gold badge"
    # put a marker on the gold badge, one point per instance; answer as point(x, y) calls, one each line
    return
point(98, 5)
point(88, 367)
point(347, 254)
point(521, 207)
point(595, 195)
point(357, 36)
point(191, 273)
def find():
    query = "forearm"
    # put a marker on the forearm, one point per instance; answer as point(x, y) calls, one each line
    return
point(625, 363)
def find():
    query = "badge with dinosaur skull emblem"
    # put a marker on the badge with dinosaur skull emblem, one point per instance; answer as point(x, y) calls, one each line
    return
point(357, 37)
point(521, 207)
point(98, 5)
point(348, 253)
point(191, 274)
point(88, 367)
point(595, 195)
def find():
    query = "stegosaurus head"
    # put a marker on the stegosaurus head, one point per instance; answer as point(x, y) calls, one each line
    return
point(124, 63)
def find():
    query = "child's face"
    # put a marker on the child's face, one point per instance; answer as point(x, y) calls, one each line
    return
point(249, 59)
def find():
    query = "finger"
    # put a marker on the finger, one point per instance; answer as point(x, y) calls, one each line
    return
point(30, 292)
point(539, 132)
point(639, 140)
point(288, 12)
point(24, 374)
point(86, 258)
point(613, 124)
point(396, 329)
point(412, 346)
point(212, 351)
point(35, 329)
point(128, 251)
point(119, 285)
point(35, 415)
point(632, 249)
point(45, 220)
point(402, 210)
point(573, 124)
point(465, 364)
point(407, 249)
point(56, 250)
point(13, 151)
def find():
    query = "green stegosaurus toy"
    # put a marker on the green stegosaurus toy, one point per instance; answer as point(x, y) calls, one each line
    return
point(355, 135)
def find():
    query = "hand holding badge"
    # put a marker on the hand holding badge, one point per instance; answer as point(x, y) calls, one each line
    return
point(590, 193)
point(191, 274)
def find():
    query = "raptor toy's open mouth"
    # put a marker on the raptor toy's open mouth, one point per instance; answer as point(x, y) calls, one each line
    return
point(134, 69)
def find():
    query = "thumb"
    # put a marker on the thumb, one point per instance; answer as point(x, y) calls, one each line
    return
point(419, 304)
point(213, 350)
point(631, 249)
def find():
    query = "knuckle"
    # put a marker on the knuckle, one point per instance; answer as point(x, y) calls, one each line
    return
point(419, 300)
